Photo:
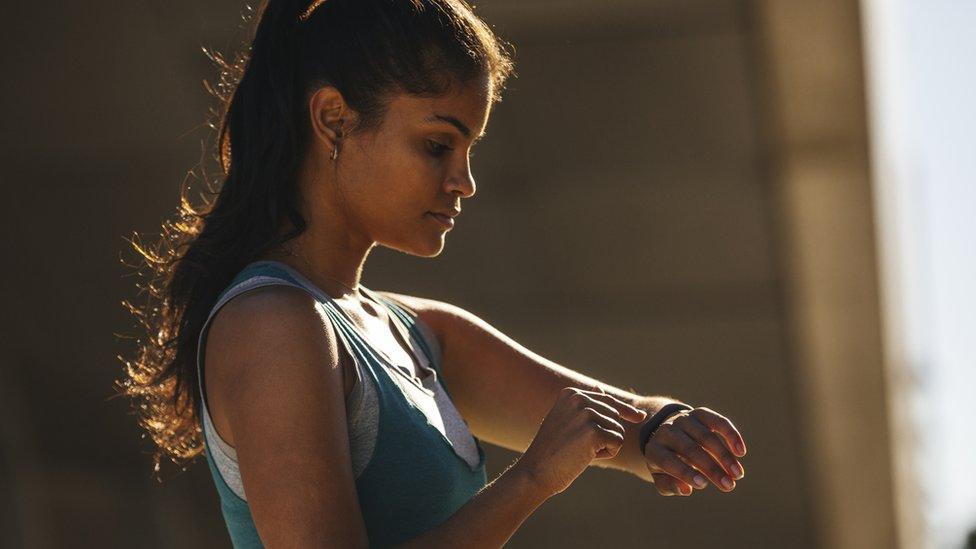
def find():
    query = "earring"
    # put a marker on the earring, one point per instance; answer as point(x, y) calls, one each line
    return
point(335, 149)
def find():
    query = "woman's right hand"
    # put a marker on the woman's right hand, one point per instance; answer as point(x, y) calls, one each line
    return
point(581, 426)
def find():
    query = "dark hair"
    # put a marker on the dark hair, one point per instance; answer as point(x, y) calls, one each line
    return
point(369, 50)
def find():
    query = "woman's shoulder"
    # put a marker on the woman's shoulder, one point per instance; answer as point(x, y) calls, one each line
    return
point(267, 309)
point(439, 315)
point(425, 311)
point(435, 319)
point(419, 306)
point(280, 329)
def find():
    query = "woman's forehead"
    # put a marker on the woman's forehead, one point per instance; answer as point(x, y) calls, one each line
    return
point(467, 107)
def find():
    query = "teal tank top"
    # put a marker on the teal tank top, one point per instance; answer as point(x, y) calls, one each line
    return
point(414, 479)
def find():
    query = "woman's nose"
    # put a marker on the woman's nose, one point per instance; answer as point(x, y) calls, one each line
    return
point(462, 184)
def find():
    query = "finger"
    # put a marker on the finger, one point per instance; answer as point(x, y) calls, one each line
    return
point(610, 439)
point(603, 407)
point(712, 444)
point(604, 421)
point(667, 485)
point(624, 409)
point(721, 425)
point(666, 461)
point(664, 484)
point(677, 440)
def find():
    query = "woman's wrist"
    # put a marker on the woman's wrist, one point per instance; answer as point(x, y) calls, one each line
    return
point(631, 458)
point(657, 419)
point(527, 482)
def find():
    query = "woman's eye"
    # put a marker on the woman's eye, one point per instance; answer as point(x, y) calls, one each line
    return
point(438, 149)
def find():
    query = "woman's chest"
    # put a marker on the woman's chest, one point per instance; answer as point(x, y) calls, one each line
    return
point(387, 339)
point(392, 347)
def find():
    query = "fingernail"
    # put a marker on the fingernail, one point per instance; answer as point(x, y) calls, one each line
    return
point(740, 448)
point(700, 481)
point(737, 471)
point(727, 483)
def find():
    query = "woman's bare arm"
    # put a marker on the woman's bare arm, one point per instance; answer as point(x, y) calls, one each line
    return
point(504, 390)
point(274, 380)
point(489, 518)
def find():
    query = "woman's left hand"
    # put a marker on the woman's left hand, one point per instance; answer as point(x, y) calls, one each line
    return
point(692, 448)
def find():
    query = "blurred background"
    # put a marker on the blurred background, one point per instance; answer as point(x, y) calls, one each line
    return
point(760, 206)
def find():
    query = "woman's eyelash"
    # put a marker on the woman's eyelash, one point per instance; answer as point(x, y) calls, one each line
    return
point(437, 148)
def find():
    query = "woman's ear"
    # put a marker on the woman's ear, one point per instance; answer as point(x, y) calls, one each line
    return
point(328, 114)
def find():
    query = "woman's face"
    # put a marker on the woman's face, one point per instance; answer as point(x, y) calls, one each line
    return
point(401, 183)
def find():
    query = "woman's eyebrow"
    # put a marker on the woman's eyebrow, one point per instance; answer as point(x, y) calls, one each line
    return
point(461, 126)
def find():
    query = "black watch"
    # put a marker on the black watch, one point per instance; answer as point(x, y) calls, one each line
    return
point(655, 421)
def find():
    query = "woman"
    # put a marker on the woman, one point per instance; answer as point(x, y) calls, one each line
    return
point(334, 415)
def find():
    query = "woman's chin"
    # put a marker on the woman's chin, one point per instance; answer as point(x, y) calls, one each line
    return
point(434, 248)
point(430, 247)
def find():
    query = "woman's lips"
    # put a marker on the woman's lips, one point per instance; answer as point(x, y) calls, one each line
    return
point(445, 221)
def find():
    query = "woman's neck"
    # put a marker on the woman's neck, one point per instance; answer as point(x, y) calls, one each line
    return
point(336, 268)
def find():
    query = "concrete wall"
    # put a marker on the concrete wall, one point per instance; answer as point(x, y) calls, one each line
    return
point(627, 224)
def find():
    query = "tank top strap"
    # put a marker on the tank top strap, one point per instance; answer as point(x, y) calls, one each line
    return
point(409, 318)
point(271, 273)
point(345, 324)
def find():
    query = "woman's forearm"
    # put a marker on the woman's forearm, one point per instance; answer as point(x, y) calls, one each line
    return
point(490, 518)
